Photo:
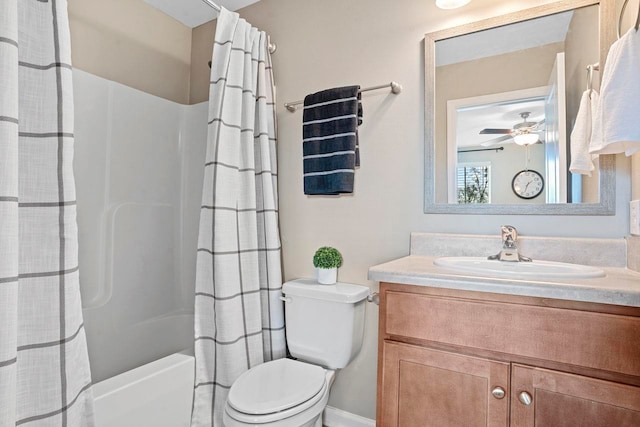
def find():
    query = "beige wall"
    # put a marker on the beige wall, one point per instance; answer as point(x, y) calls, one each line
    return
point(329, 43)
point(132, 43)
point(629, 20)
point(201, 50)
point(582, 48)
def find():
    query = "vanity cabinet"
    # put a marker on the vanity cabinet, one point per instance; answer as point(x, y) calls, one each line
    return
point(460, 358)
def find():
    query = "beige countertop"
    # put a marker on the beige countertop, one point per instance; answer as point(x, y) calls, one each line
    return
point(620, 286)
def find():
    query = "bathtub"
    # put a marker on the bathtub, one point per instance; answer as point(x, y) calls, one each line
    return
point(158, 394)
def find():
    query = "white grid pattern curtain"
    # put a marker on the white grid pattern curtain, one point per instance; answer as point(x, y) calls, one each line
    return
point(239, 320)
point(44, 367)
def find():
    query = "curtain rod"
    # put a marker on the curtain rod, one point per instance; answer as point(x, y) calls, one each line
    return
point(272, 46)
point(482, 149)
point(212, 4)
point(396, 88)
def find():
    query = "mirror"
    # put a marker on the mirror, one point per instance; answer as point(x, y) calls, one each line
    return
point(501, 98)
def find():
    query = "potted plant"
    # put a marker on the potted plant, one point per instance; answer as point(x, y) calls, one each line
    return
point(326, 261)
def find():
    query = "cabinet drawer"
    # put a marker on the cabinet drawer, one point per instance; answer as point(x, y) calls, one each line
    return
point(595, 340)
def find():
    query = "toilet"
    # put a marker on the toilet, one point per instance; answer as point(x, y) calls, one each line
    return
point(324, 329)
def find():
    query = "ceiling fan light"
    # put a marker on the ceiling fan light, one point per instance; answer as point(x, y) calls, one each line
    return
point(451, 4)
point(526, 138)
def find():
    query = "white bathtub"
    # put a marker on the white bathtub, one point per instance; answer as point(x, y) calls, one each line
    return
point(158, 394)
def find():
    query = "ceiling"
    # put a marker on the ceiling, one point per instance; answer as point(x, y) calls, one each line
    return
point(507, 38)
point(193, 13)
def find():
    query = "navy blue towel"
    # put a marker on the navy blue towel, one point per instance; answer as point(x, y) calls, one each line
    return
point(330, 140)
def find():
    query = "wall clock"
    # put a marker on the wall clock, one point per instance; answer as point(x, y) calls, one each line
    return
point(527, 184)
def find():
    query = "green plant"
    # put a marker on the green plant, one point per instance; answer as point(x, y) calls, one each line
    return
point(327, 257)
point(475, 188)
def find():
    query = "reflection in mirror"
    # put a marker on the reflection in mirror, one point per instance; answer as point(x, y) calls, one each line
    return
point(539, 56)
point(489, 131)
point(505, 99)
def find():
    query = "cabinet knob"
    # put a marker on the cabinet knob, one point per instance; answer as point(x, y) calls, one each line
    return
point(525, 398)
point(498, 392)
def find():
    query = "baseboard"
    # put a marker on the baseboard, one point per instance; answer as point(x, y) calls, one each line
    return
point(334, 417)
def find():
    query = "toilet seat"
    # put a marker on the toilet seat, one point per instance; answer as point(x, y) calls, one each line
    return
point(314, 406)
point(276, 390)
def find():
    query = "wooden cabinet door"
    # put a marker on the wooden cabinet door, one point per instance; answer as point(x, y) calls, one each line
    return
point(565, 400)
point(425, 387)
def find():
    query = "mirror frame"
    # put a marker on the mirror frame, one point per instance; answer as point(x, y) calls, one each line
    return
point(607, 172)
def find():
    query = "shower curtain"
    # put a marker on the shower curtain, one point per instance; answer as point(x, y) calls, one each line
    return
point(239, 320)
point(44, 367)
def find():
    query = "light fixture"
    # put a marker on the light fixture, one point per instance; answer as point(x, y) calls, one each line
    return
point(451, 4)
point(526, 138)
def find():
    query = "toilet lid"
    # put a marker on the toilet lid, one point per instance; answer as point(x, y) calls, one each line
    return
point(275, 386)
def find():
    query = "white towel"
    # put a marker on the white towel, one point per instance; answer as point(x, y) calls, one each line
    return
point(617, 121)
point(581, 134)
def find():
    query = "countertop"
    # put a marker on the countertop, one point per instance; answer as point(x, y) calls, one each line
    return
point(620, 286)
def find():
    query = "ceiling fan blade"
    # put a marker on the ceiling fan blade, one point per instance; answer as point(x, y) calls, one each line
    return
point(537, 124)
point(495, 131)
point(496, 141)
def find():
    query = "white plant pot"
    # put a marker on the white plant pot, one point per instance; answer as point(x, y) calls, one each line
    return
point(327, 276)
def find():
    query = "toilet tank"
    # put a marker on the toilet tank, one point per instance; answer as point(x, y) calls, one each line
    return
point(324, 323)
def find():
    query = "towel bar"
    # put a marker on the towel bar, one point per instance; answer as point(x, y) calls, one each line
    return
point(637, 24)
point(590, 69)
point(396, 88)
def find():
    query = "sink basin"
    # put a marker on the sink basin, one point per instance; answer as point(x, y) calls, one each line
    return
point(519, 270)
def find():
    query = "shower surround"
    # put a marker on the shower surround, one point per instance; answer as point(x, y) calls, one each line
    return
point(139, 172)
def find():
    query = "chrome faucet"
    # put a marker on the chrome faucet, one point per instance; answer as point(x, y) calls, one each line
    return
point(509, 250)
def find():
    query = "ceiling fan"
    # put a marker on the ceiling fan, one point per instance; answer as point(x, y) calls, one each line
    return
point(525, 133)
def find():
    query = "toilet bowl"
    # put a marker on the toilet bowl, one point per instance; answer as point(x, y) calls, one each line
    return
point(325, 328)
point(282, 393)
